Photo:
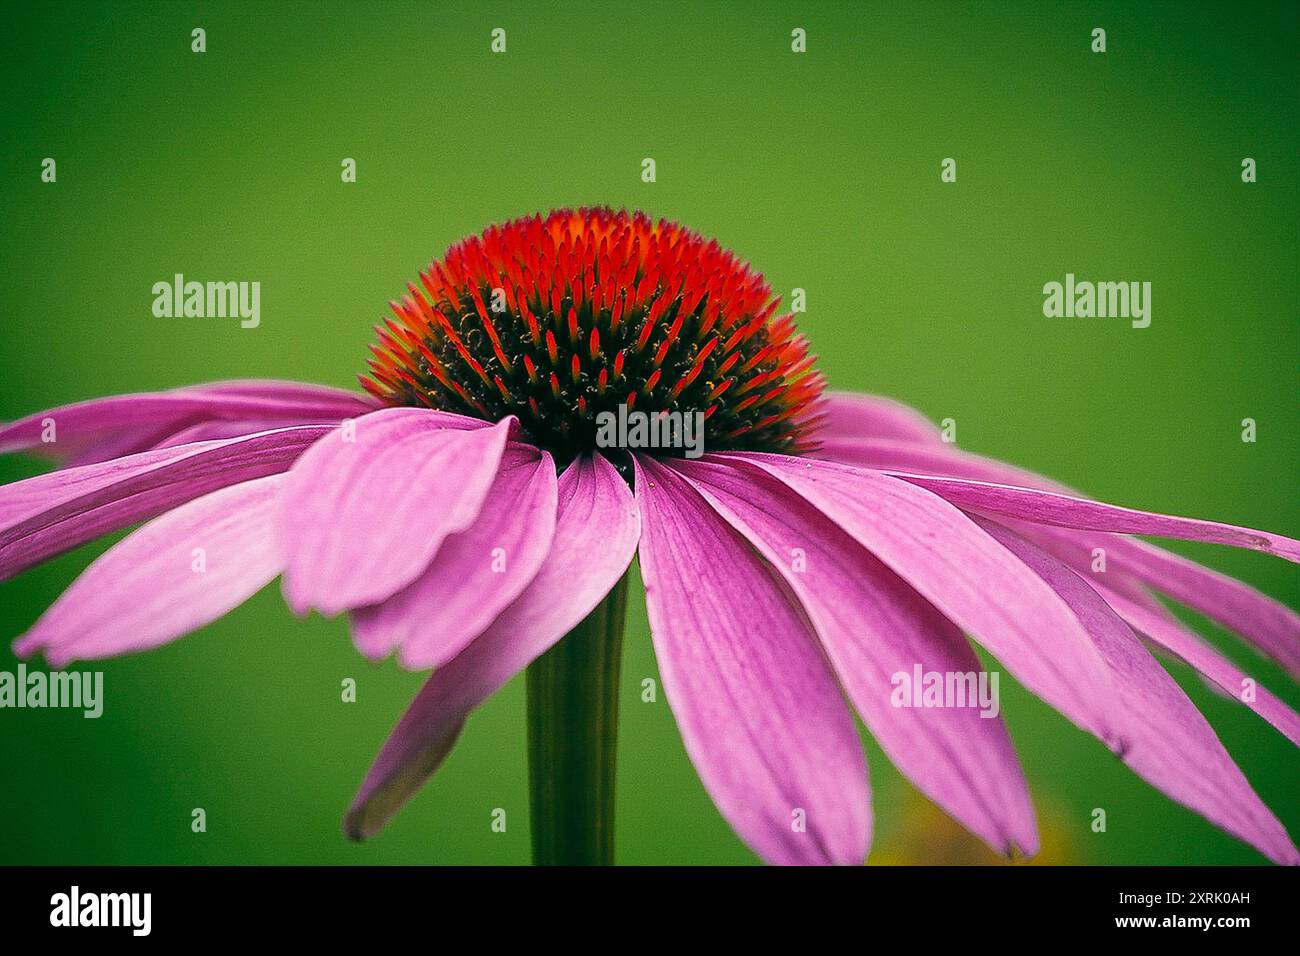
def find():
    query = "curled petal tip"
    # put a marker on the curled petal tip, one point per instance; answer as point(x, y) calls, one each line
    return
point(1019, 851)
point(354, 826)
point(26, 645)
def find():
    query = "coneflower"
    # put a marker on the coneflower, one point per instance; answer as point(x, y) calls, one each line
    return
point(467, 518)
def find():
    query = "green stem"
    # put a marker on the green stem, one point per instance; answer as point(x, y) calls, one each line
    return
point(573, 737)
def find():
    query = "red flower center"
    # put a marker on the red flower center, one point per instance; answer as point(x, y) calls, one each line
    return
point(558, 319)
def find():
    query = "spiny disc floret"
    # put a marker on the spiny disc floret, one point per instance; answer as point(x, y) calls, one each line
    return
point(556, 319)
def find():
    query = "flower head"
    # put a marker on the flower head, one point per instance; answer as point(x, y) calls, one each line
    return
point(790, 581)
point(556, 319)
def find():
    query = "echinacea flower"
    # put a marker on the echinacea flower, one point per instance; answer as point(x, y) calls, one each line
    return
point(467, 518)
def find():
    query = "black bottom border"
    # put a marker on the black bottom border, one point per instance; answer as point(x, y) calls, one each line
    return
point(367, 904)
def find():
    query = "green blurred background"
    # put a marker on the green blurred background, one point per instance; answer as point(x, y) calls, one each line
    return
point(821, 168)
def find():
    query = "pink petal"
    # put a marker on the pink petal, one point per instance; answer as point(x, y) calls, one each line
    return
point(218, 430)
point(365, 511)
point(580, 570)
point(100, 429)
point(1271, 626)
point(757, 706)
point(860, 501)
point(155, 585)
point(1047, 507)
point(1251, 611)
point(48, 514)
point(29, 497)
point(946, 461)
point(279, 390)
point(475, 573)
point(969, 577)
point(873, 626)
point(932, 459)
point(1132, 565)
point(1154, 728)
point(1166, 631)
point(852, 416)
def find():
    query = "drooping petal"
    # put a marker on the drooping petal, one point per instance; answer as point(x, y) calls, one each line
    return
point(27, 498)
point(874, 628)
point(1159, 733)
point(886, 454)
point(306, 394)
point(757, 706)
point(1068, 544)
point(1270, 626)
point(582, 567)
point(105, 428)
point(969, 577)
point(48, 514)
point(219, 430)
point(850, 416)
point(475, 574)
point(1166, 631)
point(172, 576)
point(1051, 508)
point(366, 509)
point(1131, 566)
